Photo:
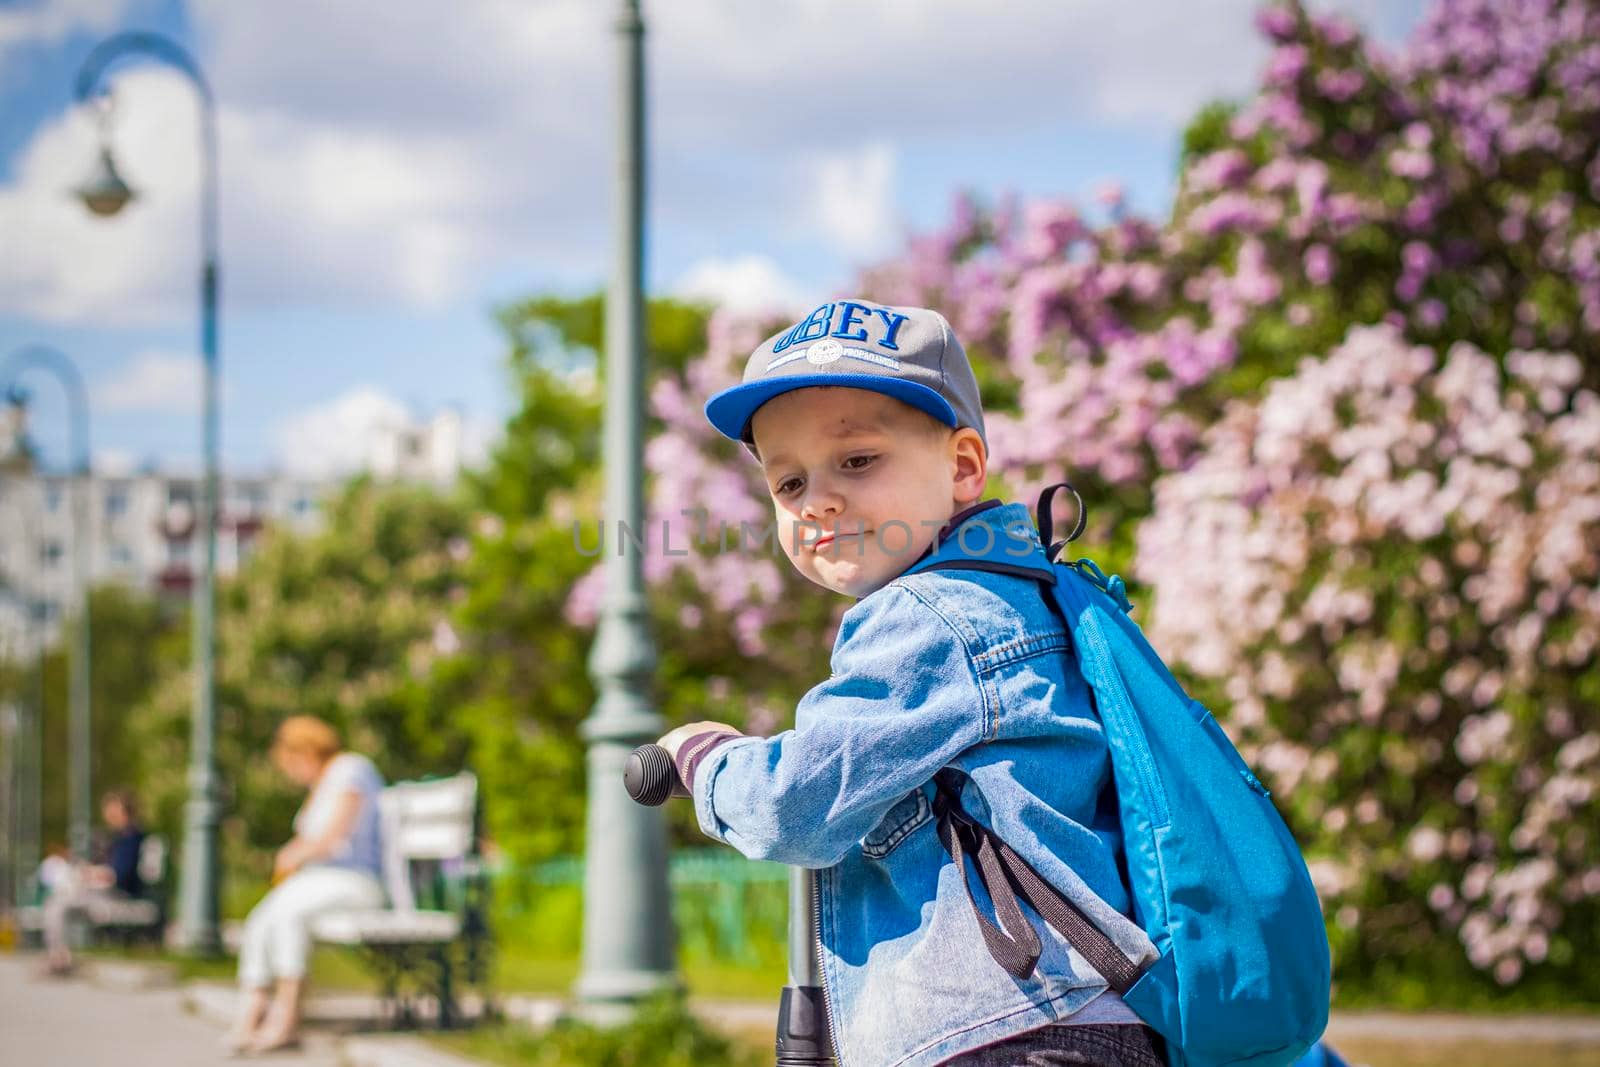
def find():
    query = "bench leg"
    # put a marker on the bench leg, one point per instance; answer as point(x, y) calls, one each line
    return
point(444, 987)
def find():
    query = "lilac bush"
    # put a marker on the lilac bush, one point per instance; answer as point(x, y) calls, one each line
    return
point(1398, 555)
point(1406, 642)
point(1453, 190)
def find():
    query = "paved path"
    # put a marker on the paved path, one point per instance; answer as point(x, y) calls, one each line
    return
point(112, 1020)
point(76, 1023)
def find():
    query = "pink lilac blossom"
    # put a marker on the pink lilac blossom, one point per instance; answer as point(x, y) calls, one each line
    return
point(1460, 201)
point(1106, 334)
point(1382, 457)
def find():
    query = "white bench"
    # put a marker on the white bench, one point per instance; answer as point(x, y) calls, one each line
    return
point(420, 941)
point(125, 918)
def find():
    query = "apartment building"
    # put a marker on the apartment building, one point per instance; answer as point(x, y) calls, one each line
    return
point(143, 527)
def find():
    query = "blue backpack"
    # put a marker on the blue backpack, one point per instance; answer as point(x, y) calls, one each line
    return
point(1217, 880)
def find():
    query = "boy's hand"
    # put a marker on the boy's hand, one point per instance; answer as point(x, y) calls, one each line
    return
point(674, 739)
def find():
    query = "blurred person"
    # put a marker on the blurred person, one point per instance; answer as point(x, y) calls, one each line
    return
point(77, 887)
point(332, 863)
point(55, 870)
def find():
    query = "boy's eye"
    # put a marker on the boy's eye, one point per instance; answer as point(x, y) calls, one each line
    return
point(854, 463)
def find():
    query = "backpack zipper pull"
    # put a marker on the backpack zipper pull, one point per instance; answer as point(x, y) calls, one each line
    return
point(1113, 587)
point(1119, 592)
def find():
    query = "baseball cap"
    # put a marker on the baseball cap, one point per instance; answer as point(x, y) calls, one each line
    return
point(907, 353)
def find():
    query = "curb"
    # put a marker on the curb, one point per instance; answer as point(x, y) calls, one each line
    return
point(1396, 1026)
point(120, 977)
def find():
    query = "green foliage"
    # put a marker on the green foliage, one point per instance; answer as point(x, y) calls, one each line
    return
point(133, 638)
point(663, 1034)
point(342, 624)
point(520, 684)
point(1207, 131)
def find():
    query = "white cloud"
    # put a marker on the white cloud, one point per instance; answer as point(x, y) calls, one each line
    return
point(751, 283)
point(854, 200)
point(356, 431)
point(159, 382)
point(413, 159)
point(310, 213)
point(338, 437)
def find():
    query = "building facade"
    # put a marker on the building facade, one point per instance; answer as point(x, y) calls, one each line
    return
point(143, 528)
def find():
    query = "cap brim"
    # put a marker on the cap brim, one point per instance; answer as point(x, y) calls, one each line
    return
point(730, 411)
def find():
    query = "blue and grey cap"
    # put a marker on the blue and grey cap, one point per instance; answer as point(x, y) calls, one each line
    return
point(908, 353)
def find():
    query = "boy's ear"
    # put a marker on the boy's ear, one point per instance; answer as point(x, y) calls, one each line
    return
point(969, 465)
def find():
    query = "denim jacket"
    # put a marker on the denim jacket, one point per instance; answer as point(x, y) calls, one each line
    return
point(970, 669)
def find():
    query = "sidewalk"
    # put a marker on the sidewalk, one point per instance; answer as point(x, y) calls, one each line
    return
point(111, 1016)
point(75, 1023)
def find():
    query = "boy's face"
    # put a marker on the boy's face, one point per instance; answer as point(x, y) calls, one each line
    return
point(864, 467)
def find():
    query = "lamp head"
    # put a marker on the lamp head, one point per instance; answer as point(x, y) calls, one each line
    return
point(105, 193)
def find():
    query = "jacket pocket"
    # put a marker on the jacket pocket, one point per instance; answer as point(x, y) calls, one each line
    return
point(903, 818)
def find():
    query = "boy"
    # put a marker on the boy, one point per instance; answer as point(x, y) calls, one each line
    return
point(87, 887)
point(868, 427)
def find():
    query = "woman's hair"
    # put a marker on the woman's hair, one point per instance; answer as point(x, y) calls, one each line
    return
point(308, 735)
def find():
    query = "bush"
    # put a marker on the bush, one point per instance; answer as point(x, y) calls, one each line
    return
point(1388, 568)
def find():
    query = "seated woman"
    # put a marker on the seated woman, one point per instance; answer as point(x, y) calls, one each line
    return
point(333, 862)
point(77, 888)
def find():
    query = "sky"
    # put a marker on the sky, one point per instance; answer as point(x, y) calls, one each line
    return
point(392, 173)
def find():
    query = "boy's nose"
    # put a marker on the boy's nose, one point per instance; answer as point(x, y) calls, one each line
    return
point(822, 505)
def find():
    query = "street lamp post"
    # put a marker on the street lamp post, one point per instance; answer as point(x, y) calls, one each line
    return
point(23, 718)
point(81, 785)
point(627, 914)
point(106, 194)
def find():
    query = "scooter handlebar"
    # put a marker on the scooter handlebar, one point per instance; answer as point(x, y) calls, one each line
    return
point(651, 777)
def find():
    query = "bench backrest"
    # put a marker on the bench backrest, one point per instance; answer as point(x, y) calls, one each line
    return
point(153, 861)
point(432, 820)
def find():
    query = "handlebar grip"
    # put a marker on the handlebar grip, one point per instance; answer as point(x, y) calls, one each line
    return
point(651, 777)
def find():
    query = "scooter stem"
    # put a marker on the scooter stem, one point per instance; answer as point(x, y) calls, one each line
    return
point(804, 1038)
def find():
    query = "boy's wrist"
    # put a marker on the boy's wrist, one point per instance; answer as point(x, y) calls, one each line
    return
point(695, 749)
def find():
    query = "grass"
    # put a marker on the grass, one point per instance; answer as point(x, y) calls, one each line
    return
point(516, 1046)
point(662, 1034)
point(514, 972)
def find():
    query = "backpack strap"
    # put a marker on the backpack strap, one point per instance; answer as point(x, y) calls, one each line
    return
point(958, 832)
point(1006, 876)
point(1021, 570)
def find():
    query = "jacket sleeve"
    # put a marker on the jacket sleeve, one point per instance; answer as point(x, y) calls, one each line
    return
point(903, 701)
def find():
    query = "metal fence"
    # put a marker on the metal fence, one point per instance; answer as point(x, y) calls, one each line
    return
point(726, 908)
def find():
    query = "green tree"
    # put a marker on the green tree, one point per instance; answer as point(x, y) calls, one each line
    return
point(133, 638)
point(521, 684)
point(346, 624)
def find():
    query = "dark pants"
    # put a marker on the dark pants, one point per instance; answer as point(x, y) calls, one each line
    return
point(1098, 1045)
